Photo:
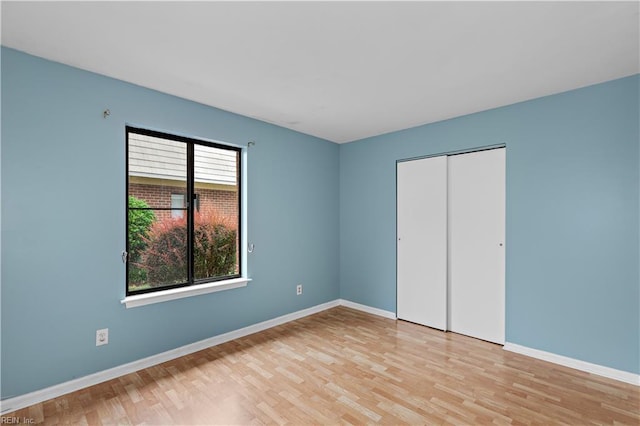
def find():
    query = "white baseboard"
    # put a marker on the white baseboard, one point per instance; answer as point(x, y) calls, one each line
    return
point(12, 404)
point(368, 309)
point(611, 373)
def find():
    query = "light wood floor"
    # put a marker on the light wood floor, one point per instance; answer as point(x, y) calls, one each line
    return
point(346, 367)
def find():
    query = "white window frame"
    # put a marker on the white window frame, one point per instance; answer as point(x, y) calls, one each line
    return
point(159, 296)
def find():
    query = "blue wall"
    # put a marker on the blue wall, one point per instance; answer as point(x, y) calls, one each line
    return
point(63, 192)
point(572, 279)
point(320, 214)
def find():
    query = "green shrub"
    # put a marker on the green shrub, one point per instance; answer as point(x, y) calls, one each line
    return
point(140, 222)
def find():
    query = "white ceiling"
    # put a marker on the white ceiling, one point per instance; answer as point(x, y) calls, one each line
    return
point(341, 71)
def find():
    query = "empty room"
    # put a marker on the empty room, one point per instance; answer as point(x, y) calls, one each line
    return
point(320, 213)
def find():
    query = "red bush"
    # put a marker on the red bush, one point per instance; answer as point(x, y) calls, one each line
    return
point(214, 249)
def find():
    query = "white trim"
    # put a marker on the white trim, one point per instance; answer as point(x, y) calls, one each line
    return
point(368, 309)
point(22, 401)
point(244, 201)
point(600, 370)
point(179, 293)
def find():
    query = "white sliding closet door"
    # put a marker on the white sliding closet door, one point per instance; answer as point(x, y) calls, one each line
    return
point(422, 241)
point(476, 244)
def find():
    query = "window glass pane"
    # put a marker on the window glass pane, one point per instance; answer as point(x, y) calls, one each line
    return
point(157, 242)
point(216, 221)
point(177, 203)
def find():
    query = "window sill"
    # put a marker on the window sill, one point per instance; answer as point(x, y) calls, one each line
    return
point(179, 293)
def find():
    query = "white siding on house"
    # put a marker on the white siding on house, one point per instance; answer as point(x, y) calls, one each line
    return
point(214, 165)
point(159, 158)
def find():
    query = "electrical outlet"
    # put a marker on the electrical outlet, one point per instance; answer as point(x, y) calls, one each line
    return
point(299, 289)
point(102, 337)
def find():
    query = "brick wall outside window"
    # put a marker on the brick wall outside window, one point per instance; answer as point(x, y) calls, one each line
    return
point(159, 196)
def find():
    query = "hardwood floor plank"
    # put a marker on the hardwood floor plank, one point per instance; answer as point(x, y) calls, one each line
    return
point(343, 366)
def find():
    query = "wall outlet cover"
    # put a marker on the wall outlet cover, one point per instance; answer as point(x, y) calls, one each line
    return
point(102, 337)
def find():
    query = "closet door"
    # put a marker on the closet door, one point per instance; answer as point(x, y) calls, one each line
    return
point(476, 244)
point(422, 241)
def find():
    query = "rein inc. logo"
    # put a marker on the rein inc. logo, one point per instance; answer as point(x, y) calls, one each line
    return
point(12, 420)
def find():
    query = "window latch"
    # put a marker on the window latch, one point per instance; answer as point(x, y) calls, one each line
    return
point(125, 255)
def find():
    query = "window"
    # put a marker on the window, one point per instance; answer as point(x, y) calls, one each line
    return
point(177, 237)
point(177, 206)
